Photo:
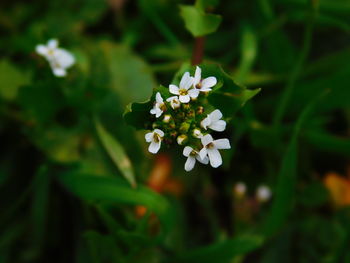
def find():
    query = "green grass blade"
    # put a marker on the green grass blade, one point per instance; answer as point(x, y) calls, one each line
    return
point(111, 189)
point(284, 192)
point(116, 152)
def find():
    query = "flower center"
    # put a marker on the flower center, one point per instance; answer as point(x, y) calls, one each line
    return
point(183, 92)
point(199, 85)
point(156, 137)
point(162, 106)
point(210, 145)
point(193, 153)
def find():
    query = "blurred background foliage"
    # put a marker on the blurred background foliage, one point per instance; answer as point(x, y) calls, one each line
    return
point(77, 183)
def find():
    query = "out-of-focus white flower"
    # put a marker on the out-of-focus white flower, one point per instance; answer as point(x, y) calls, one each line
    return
point(155, 139)
point(214, 122)
point(184, 92)
point(203, 85)
point(59, 59)
point(192, 156)
point(240, 189)
point(159, 106)
point(211, 148)
point(263, 193)
point(174, 102)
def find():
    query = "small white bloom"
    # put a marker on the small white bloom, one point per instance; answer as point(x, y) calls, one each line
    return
point(155, 139)
point(59, 59)
point(213, 121)
point(240, 189)
point(203, 85)
point(174, 102)
point(158, 107)
point(197, 133)
point(181, 139)
point(211, 148)
point(184, 92)
point(192, 155)
point(263, 193)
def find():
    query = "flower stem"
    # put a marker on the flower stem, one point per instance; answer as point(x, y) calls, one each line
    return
point(197, 55)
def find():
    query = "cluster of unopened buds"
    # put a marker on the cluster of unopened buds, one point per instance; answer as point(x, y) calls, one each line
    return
point(182, 118)
point(262, 193)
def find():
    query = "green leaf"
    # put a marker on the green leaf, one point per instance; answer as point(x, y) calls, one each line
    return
point(11, 79)
point(328, 142)
point(228, 96)
point(116, 152)
point(112, 189)
point(284, 193)
point(224, 251)
point(131, 77)
point(197, 22)
point(138, 114)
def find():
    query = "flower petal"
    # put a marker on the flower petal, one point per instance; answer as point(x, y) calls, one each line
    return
point(222, 144)
point(52, 43)
point(185, 98)
point(149, 136)
point(170, 99)
point(187, 150)
point(214, 157)
point(59, 72)
point(159, 98)
point(219, 125)
point(160, 132)
point(154, 147)
point(215, 115)
point(205, 123)
point(203, 153)
point(203, 161)
point(158, 112)
point(174, 89)
point(206, 140)
point(209, 82)
point(193, 93)
point(42, 50)
point(64, 58)
point(186, 81)
point(190, 162)
point(197, 76)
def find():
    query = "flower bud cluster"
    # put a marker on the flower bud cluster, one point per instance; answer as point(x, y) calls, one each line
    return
point(181, 119)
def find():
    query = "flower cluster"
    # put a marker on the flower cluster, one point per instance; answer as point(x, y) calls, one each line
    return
point(59, 59)
point(182, 118)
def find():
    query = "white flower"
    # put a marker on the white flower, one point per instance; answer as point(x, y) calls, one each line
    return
point(184, 92)
point(192, 156)
point(211, 148)
point(159, 106)
point(155, 138)
point(174, 102)
point(203, 85)
point(58, 58)
point(213, 121)
point(263, 193)
point(240, 189)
